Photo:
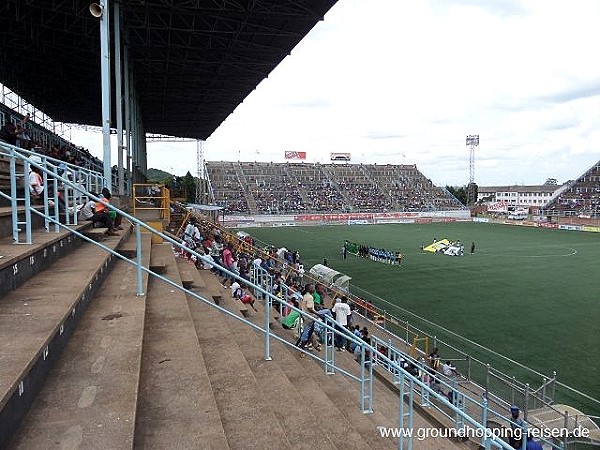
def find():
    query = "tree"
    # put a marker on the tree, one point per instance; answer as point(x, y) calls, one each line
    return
point(472, 190)
point(551, 182)
point(188, 184)
point(459, 192)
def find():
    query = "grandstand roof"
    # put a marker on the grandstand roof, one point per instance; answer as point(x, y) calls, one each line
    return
point(518, 188)
point(194, 60)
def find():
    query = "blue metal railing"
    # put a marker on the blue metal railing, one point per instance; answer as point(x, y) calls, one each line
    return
point(529, 398)
point(367, 351)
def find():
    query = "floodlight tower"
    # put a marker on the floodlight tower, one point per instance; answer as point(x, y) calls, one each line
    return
point(200, 172)
point(472, 143)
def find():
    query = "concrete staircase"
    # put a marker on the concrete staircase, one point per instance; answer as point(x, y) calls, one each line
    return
point(167, 370)
point(89, 398)
point(45, 289)
point(314, 410)
point(301, 189)
point(331, 177)
point(239, 173)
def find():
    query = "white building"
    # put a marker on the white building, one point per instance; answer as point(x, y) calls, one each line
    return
point(524, 196)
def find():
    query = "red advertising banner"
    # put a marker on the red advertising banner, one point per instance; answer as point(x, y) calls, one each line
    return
point(547, 225)
point(295, 155)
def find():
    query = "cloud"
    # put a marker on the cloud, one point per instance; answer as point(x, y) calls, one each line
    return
point(575, 91)
point(404, 82)
point(372, 134)
point(502, 8)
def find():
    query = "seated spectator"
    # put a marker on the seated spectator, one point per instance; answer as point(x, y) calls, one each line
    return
point(241, 294)
point(36, 182)
point(116, 219)
point(97, 212)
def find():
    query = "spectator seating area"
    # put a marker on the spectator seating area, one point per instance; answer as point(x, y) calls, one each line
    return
point(581, 198)
point(289, 188)
point(23, 132)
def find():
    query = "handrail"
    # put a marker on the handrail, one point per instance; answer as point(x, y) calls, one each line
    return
point(97, 177)
point(492, 439)
point(479, 346)
point(373, 309)
point(509, 382)
point(444, 381)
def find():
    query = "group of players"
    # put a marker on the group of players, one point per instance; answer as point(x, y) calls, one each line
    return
point(375, 254)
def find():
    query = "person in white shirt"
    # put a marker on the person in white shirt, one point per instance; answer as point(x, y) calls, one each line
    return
point(341, 311)
point(234, 287)
point(448, 369)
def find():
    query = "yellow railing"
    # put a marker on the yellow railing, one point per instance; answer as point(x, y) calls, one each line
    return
point(152, 197)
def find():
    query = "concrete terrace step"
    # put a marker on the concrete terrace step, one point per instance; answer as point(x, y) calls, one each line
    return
point(18, 263)
point(343, 394)
point(36, 321)
point(313, 412)
point(90, 397)
point(247, 415)
point(6, 219)
point(176, 407)
point(343, 429)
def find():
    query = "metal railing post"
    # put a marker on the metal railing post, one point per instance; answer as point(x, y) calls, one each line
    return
point(485, 440)
point(487, 379)
point(526, 406)
point(27, 196)
point(524, 433)
point(366, 381)
point(268, 328)
point(512, 390)
point(544, 382)
point(138, 260)
point(468, 367)
point(13, 198)
point(329, 348)
point(46, 207)
point(425, 378)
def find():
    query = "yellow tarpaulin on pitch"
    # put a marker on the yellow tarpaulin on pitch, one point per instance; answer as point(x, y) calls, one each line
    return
point(435, 246)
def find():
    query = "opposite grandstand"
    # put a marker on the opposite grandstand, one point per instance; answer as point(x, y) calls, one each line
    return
point(271, 188)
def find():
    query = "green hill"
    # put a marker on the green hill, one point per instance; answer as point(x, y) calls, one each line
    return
point(159, 176)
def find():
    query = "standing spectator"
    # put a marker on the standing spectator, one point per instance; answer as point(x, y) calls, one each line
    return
point(434, 359)
point(307, 305)
point(472, 247)
point(516, 426)
point(341, 311)
point(9, 133)
point(23, 140)
point(449, 369)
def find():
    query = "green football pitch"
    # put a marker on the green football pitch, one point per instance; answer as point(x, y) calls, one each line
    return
point(530, 294)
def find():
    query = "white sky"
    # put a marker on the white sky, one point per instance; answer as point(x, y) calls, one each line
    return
point(394, 81)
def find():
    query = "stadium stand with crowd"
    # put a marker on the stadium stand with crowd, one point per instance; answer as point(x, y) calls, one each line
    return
point(283, 188)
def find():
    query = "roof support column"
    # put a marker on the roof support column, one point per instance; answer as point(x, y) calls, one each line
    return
point(105, 76)
point(119, 96)
point(128, 121)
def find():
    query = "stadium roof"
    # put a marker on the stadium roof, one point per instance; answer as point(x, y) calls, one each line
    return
point(520, 188)
point(194, 60)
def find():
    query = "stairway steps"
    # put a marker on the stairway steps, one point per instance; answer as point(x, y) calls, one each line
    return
point(248, 419)
point(176, 407)
point(318, 413)
point(89, 399)
point(36, 321)
point(343, 394)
